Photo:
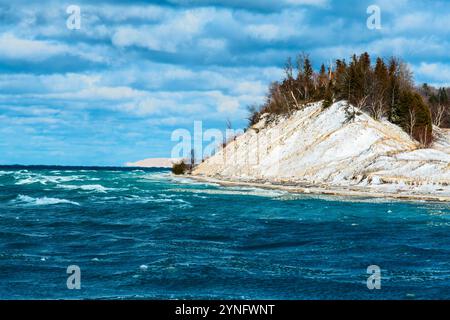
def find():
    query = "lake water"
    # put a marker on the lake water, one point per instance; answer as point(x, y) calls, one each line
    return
point(146, 234)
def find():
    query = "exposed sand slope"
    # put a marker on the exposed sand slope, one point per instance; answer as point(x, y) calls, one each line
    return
point(319, 147)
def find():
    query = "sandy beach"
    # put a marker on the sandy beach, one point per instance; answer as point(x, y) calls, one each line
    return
point(357, 192)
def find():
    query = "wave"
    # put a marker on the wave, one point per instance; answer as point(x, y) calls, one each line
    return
point(42, 201)
point(37, 178)
point(157, 176)
point(236, 191)
point(172, 202)
point(192, 181)
point(87, 187)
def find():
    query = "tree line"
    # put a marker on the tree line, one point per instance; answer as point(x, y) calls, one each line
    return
point(439, 103)
point(383, 88)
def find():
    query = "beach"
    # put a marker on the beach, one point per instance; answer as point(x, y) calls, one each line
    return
point(357, 192)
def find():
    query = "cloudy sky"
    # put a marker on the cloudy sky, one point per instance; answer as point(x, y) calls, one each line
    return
point(114, 90)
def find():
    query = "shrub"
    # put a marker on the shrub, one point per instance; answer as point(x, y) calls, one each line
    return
point(179, 168)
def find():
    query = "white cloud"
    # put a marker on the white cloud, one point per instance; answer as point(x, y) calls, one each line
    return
point(256, 3)
point(97, 93)
point(423, 22)
point(277, 26)
point(318, 3)
point(264, 31)
point(437, 74)
point(392, 6)
point(255, 88)
point(166, 36)
point(12, 47)
point(228, 105)
point(405, 47)
point(213, 44)
point(121, 13)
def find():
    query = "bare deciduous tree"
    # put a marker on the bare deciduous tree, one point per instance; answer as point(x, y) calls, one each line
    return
point(438, 115)
point(412, 121)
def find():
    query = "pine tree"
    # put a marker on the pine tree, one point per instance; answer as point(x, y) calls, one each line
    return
point(414, 116)
point(308, 73)
point(340, 83)
point(381, 75)
point(393, 90)
point(442, 96)
point(328, 95)
point(323, 77)
point(322, 83)
point(366, 74)
point(426, 90)
point(384, 89)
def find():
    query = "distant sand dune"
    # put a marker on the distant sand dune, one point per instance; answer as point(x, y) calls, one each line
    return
point(153, 163)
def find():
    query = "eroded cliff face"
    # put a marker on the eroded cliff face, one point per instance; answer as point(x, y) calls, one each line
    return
point(321, 147)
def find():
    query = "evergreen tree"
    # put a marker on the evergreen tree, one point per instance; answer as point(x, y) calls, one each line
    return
point(308, 80)
point(414, 116)
point(426, 90)
point(340, 83)
point(383, 89)
point(366, 74)
point(379, 94)
point(393, 90)
point(328, 95)
point(323, 77)
point(442, 96)
point(322, 83)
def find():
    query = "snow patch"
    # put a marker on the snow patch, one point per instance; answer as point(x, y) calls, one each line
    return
point(320, 147)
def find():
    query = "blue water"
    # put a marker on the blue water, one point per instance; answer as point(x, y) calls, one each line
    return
point(147, 234)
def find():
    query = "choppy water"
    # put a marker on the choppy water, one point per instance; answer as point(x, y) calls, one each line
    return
point(146, 234)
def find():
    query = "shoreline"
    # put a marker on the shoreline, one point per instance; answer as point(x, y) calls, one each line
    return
point(325, 190)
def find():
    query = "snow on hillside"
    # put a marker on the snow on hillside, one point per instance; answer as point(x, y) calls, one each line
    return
point(319, 147)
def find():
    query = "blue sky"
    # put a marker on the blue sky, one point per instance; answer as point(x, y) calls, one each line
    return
point(114, 90)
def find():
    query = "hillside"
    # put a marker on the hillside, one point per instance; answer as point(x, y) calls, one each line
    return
point(319, 148)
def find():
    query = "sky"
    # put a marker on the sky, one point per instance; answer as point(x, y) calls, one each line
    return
point(115, 89)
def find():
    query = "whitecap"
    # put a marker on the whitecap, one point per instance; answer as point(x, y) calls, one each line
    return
point(180, 203)
point(42, 201)
point(192, 181)
point(236, 191)
point(27, 181)
point(162, 200)
point(24, 179)
point(138, 199)
point(155, 176)
point(86, 187)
